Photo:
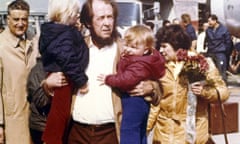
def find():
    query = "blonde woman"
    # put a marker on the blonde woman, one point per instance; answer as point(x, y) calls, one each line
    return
point(63, 49)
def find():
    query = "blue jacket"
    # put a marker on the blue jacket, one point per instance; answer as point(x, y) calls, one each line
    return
point(219, 40)
point(63, 49)
point(191, 32)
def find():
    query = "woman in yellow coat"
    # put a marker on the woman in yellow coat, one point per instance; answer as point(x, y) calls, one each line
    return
point(169, 117)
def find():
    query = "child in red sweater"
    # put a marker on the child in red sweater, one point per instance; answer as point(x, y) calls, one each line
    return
point(139, 62)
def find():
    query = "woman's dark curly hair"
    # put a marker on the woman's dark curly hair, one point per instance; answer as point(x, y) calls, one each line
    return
point(174, 35)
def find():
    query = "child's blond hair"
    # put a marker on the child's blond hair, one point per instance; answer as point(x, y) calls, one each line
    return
point(140, 34)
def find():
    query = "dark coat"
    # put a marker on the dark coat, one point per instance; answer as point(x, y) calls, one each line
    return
point(39, 101)
point(63, 49)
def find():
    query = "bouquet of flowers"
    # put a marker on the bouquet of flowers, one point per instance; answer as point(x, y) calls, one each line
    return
point(195, 66)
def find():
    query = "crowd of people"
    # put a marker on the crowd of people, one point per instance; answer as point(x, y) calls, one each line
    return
point(63, 87)
point(214, 40)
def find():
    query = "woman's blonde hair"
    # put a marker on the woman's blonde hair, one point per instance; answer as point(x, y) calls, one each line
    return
point(62, 10)
point(140, 34)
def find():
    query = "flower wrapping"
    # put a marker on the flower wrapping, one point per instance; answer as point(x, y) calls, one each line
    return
point(194, 68)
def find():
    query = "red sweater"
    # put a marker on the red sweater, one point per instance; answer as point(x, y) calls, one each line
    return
point(133, 69)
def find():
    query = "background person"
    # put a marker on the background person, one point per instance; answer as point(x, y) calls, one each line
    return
point(187, 24)
point(166, 23)
point(150, 25)
point(219, 43)
point(176, 21)
point(201, 44)
point(169, 117)
point(40, 101)
point(17, 56)
point(234, 63)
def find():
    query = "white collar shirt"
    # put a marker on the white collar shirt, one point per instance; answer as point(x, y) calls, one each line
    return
point(96, 107)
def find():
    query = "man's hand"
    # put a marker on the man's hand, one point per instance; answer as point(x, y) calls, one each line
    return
point(142, 89)
point(149, 89)
point(54, 80)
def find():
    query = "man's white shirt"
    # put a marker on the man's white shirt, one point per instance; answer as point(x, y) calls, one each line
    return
point(96, 107)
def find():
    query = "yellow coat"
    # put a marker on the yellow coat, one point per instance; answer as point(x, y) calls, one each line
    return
point(169, 116)
point(16, 64)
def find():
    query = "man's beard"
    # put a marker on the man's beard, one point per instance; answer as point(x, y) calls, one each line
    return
point(101, 42)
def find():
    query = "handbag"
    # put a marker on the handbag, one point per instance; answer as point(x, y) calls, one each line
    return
point(210, 140)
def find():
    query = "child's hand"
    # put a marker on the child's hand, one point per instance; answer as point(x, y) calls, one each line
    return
point(83, 89)
point(101, 78)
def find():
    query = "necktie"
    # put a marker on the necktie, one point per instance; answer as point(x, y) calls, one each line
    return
point(22, 43)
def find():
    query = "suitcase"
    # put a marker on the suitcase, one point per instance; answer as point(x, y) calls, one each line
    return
point(230, 117)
